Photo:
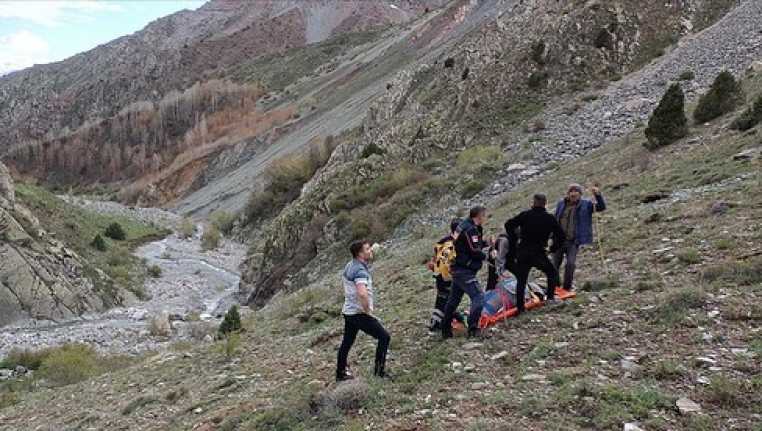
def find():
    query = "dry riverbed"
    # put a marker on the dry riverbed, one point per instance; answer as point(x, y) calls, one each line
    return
point(194, 288)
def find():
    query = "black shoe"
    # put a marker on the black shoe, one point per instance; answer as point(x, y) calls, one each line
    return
point(446, 335)
point(344, 378)
point(385, 376)
point(474, 333)
point(380, 372)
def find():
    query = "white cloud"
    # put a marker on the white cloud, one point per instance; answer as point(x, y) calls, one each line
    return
point(22, 49)
point(52, 12)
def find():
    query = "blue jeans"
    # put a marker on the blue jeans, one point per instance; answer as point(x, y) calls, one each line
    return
point(463, 281)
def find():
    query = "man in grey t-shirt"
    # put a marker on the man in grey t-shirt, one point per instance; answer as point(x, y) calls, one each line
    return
point(358, 310)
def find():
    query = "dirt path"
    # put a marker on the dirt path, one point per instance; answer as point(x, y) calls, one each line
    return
point(192, 281)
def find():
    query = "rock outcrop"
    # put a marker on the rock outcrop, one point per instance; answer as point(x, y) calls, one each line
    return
point(40, 277)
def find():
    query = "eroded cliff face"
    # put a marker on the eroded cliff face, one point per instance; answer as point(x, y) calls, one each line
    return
point(481, 91)
point(40, 277)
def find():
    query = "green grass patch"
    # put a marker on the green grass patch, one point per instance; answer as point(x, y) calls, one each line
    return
point(742, 273)
point(597, 285)
point(667, 370)
point(674, 306)
point(689, 256)
point(727, 392)
point(608, 406)
point(77, 228)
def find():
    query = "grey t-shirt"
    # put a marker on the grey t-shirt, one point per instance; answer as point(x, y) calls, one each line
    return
point(356, 272)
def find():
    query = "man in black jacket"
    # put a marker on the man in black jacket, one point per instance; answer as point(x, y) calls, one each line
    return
point(536, 227)
point(469, 255)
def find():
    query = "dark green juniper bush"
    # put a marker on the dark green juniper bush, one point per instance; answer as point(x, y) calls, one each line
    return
point(668, 122)
point(722, 97)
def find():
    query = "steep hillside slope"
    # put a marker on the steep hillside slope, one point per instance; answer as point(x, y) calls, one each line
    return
point(173, 53)
point(668, 310)
point(343, 92)
point(171, 78)
point(489, 90)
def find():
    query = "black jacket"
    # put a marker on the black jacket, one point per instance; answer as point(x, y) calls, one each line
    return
point(536, 227)
point(468, 246)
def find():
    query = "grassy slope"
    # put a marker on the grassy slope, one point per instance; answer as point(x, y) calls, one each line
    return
point(76, 228)
point(659, 310)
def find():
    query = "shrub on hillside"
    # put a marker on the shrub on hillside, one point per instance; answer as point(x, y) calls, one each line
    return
point(479, 159)
point(8, 399)
point(538, 79)
point(69, 364)
point(211, 237)
point(186, 229)
point(668, 122)
point(231, 322)
point(115, 232)
point(222, 220)
point(154, 271)
point(29, 359)
point(378, 189)
point(471, 188)
point(284, 179)
point(688, 75)
point(98, 243)
point(721, 98)
point(750, 117)
point(371, 149)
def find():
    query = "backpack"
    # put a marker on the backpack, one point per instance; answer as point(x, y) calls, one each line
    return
point(444, 256)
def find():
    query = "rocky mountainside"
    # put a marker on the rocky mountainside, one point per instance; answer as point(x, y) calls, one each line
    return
point(165, 78)
point(492, 89)
point(41, 277)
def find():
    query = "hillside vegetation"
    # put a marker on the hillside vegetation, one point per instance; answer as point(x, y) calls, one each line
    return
point(78, 228)
point(495, 89)
point(668, 309)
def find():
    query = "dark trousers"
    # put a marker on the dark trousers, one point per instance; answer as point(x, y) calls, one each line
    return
point(569, 250)
point(371, 326)
point(464, 282)
point(443, 293)
point(526, 260)
point(492, 274)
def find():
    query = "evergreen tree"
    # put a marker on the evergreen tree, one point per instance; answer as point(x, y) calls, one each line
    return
point(231, 322)
point(115, 232)
point(750, 117)
point(722, 97)
point(98, 243)
point(668, 122)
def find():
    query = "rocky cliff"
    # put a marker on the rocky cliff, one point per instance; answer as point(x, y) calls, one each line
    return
point(41, 277)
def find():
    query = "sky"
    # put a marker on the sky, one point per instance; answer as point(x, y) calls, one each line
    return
point(44, 31)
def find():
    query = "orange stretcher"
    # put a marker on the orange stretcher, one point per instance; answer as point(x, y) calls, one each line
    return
point(487, 321)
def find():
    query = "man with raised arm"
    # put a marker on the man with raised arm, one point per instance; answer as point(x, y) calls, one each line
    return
point(575, 215)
